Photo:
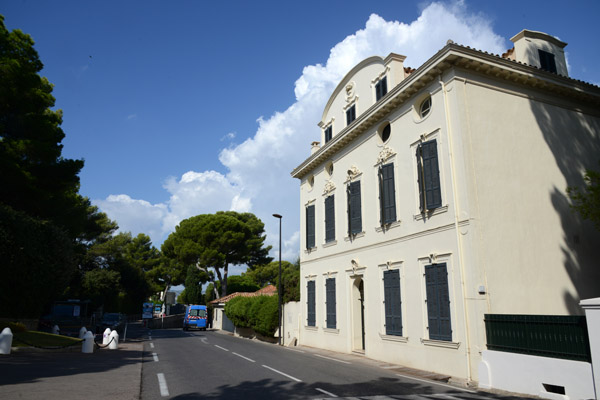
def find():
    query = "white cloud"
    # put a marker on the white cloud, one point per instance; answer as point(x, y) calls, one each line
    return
point(258, 178)
point(131, 116)
point(229, 136)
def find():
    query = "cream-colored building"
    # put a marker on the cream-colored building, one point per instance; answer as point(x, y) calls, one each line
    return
point(438, 195)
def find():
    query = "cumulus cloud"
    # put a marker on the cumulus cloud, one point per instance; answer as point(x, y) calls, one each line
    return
point(258, 178)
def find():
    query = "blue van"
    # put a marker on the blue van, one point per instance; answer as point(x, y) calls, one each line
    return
point(195, 317)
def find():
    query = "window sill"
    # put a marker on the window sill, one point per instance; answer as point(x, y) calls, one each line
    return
point(331, 330)
point(329, 244)
point(354, 236)
point(393, 338)
point(439, 210)
point(440, 343)
point(311, 250)
point(387, 227)
point(311, 328)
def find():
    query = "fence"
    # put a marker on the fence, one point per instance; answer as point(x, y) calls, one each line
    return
point(557, 336)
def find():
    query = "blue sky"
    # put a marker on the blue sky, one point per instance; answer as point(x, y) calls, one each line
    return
point(189, 107)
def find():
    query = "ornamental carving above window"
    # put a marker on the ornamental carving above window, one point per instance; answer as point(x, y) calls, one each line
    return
point(385, 154)
point(329, 187)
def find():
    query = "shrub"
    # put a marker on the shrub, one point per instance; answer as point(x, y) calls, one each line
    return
point(259, 313)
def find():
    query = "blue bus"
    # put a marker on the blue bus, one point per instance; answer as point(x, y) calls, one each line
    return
point(195, 317)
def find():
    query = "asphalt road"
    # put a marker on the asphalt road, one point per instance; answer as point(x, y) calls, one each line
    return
point(211, 365)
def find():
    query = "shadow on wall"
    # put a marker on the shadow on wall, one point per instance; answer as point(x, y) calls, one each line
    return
point(574, 139)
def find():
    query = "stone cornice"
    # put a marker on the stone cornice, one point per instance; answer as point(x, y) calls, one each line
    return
point(452, 56)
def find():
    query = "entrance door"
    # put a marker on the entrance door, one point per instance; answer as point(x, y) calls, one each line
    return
point(358, 314)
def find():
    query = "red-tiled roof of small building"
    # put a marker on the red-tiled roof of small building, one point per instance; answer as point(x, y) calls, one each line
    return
point(269, 290)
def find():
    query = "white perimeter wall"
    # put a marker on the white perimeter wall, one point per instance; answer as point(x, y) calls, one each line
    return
point(526, 374)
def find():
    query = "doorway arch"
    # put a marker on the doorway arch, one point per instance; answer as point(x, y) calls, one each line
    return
point(358, 314)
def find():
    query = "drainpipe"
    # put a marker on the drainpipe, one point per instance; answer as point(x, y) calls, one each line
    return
point(456, 227)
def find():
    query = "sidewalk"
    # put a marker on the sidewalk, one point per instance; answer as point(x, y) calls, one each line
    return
point(105, 374)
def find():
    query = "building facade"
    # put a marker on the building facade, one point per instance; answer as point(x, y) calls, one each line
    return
point(438, 195)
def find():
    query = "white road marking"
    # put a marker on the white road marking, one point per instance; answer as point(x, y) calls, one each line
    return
point(435, 383)
point(333, 359)
point(245, 358)
point(222, 348)
point(151, 345)
point(298, 351)
point(162, 384)
point(204, 340)
point(326, 392)
point(281, 373)
point(155, 356)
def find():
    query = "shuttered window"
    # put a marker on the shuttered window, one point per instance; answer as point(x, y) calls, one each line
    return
point(381, 88)
point(330, 302)
point(310, 227)
point(438, 302)
point(387, 194)
point(311, 303)
point(354, 209)
point(328, 134)
point(329, 219)
point(350, 115)
point(393, 309)
point(547, 61)
point(430, 193)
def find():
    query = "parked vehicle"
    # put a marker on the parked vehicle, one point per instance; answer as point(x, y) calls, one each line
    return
point(195, 317)
point(114, 321)
point(69, 316)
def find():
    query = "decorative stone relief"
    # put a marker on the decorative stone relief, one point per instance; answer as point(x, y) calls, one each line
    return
point(353, 172)
point(329, 187)
point(349, 91)
point(385, 154)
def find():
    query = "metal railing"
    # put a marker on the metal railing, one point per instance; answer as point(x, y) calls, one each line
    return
point(557, 336)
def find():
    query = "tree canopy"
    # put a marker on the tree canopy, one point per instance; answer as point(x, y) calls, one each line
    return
point(46, 225)
point(218, 240)
point(586, 200)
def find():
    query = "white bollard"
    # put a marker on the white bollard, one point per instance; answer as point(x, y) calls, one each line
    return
point(6, 338)
point(82, 332)
point(56, 330)
point(88, 343)
point(114, 342)
point(106, 336)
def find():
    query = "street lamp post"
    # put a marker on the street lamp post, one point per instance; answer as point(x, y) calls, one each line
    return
point(279, 289)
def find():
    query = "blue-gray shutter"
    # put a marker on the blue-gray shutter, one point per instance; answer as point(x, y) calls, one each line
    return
point(389, 193)
point(393, 304)
point(430, 194)
point(329, 219)
point(350, 115)
point(381, 88)
point(438, 302)
point(330, 300)
point(354, 208)
point(310, 227)
point(311, 303)
point(328, 134)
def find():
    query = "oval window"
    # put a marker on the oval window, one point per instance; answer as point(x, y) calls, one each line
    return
point(425, 107)
point(385, 133)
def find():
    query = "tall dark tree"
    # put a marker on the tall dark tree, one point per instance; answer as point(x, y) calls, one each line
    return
point(38, 187)
point(218, 240)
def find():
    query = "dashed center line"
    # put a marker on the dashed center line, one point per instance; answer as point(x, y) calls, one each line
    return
point(245, 358)
point(282, 373)
point(326, 392)
point(151, 345)
point(222, 348)
point(155, 356)
point(333, 359)
point(162, 384)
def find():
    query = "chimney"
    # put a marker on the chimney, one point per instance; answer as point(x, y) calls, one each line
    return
point(315, 146)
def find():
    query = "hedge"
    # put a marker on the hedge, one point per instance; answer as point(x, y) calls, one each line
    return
point(259, 313)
